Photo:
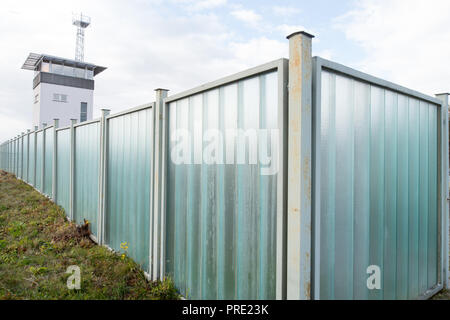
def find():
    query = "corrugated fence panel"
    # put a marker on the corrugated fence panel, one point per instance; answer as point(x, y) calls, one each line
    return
point(128, 198)
point(63, 169)
point(48, 170)
point(19, 157)
point(3, 156)
point(39, 160)
point(221, 215)
point(87, 153)
point(378, 172)
point(25, 158)
point(32, 160)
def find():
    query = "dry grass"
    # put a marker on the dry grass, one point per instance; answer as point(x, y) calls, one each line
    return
point(37, 244)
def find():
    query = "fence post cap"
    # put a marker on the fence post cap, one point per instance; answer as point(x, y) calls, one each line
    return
point(300, 32)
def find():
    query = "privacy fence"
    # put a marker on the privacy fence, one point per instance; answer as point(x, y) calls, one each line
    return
point(294, 179)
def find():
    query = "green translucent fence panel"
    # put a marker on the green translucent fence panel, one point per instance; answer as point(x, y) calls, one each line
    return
point(15, 156)
point(19, 158)
point(3, 156)
point(48, 170)
point(63, 169)
point(32, 160)
point(11, 157)
point(129, 162)
point(378, 178)
point(25, 158)
point(221, 211)
point(87, 153)
point(39, 160)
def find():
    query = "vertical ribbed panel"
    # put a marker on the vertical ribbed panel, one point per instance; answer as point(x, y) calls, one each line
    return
point(39, 160)
point(221, 218)
point(32, 160)
point(48, 171)
point(3, 156)
point(378, 178)
point(87, 153)
point(19, 158)
point(128, 198)
point(25, 158)
point(63, 169)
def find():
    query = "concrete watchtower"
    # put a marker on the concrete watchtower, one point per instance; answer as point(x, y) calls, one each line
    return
point(63, 88)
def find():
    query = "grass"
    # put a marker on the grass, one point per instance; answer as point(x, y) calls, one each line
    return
point(442, 295)
point(38, 244)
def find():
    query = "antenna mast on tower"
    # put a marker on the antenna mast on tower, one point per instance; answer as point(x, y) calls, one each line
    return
point(81, 22)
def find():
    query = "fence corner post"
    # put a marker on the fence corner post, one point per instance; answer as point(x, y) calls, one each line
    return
point(55, 158)
point(444, 196)
point(299, 167)
point(102, 178)
point(156, 266)
point(72, 168)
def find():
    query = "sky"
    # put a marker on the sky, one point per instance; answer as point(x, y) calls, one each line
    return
point(180, 44)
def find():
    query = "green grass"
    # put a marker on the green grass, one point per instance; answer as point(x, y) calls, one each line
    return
point(37, 244)
point(443, 295)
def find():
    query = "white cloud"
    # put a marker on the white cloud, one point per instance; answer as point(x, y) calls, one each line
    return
point(285, 11)
point(286, 29)
point(326, 54)
point(259, 50)
point(197, 5)
point(143, 45)
point(248, 16)
point(407, 41)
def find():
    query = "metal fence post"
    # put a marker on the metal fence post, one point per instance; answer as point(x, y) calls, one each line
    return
point(163, 177)
point(444, 196)
point(299, 167)
point(102, 178)
point(72, 168)
point(159, 119)
point(55, 158)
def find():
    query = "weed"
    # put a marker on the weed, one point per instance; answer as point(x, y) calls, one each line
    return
point(38, 244)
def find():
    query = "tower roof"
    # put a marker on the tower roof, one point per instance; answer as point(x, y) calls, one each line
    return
point(33, 60)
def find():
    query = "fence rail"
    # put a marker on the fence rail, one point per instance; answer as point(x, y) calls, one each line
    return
point(285, 181)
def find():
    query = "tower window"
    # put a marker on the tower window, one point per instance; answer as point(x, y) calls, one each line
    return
point(83, 111)
point(36, 98)
point(59, 97)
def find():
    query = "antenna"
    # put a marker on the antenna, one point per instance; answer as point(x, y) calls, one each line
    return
point(81, 22)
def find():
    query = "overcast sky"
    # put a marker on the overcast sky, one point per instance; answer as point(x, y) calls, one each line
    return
point(179, 44)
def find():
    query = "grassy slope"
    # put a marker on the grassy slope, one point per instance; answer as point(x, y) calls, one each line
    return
point(37, 244)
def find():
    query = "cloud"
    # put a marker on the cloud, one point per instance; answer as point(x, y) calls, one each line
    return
point(145, 45)
point(286, 29)
point(197, 5)
point(285, 11)
point(248, 16)
point(406, 41)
